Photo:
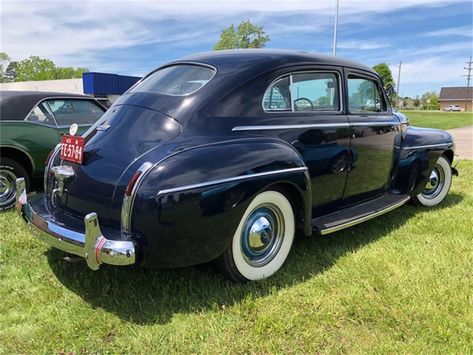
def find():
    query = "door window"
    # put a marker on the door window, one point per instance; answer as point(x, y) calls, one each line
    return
point(40, 114)
point(308, 91)
point(69, 111)
point(315, 92)
point(364, 95)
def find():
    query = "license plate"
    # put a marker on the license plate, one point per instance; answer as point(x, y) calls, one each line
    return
point(72, 148)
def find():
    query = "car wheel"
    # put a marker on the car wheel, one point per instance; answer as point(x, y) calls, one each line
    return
point(262, 240)
point(10, 170)
point(438, 185)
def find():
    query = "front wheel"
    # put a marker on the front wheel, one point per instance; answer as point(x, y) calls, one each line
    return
point(438, 185)
point(262, 240)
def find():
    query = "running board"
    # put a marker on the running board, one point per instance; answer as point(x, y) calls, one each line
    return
point(357, 214)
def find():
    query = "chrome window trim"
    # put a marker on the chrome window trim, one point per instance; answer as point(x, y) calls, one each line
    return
point(313, 125)
point(54, 118)
point(205, 65)
point(378, 85)
point(230, 179)
point(292, 110)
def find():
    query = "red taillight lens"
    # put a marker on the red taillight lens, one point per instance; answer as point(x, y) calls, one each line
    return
point(131, 184)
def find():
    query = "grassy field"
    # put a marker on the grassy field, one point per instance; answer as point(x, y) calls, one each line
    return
point(442, 120)
point(401, 283)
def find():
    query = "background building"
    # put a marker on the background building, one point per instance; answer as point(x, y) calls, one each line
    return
point(460, 96)
point(99, 85)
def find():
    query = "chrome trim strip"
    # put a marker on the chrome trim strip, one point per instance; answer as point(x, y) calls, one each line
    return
point(294, 126)
point(56, 149)
point(235, 178)
point(429, 146)
point(365, 218)
point(129, 201)
point(313, 125)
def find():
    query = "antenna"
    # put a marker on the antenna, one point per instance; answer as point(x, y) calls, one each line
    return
point(469, 69)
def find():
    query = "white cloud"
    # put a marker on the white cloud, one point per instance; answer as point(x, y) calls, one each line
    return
point(464, 31)
point(364, 45)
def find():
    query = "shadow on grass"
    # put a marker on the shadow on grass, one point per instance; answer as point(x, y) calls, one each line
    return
point(148, 296)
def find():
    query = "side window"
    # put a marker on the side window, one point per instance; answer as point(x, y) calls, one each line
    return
point(312, 91)
point(315, 92)
point(278, 97)
point(364, 95)
point(40, 114)
point(69, 111)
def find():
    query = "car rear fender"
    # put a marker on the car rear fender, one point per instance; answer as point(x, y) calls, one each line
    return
point(188, 205)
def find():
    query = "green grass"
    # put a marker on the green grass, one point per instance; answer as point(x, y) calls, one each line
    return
point(442, 120)
point(401, 283)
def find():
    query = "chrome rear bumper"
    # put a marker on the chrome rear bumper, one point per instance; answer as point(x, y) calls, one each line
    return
point(93, 246)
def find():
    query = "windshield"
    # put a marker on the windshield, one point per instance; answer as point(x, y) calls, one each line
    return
point(176, 80)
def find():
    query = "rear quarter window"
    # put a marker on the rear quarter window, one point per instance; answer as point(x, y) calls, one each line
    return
point(176, 80)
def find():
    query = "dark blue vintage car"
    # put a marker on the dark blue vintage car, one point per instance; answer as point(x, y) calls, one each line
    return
point(223, 155)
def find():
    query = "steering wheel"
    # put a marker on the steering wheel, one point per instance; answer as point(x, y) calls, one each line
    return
point(303, 99)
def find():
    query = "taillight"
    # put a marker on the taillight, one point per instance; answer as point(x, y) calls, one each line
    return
point(131, 184)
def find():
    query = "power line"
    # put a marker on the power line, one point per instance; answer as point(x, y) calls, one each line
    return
point(469, 69)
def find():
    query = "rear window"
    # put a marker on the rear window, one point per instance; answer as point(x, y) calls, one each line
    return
point(176, 80)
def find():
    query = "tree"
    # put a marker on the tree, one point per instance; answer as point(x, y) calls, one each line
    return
point(430, 101)
point(387, 77)
point(247, 35)
point(36, 68)
point(4, 63)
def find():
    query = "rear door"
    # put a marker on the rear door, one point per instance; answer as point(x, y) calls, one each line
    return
point(373, 130)
point(305, 108)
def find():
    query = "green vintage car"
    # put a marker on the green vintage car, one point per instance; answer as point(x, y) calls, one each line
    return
point(31, 125)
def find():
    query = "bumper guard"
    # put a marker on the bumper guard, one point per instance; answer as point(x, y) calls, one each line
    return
point(93, 246)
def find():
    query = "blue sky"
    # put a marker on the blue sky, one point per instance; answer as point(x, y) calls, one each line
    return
point(432, 38)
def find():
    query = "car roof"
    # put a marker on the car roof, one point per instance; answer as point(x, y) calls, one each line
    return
point(268, 58)
point(15, 105)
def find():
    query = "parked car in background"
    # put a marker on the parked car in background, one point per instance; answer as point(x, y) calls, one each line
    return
point(452, 108)
point(31, 125)
point(223, 155)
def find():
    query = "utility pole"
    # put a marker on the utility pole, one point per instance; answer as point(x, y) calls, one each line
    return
point(335, 30)
point(469, 69)
point(398, 78)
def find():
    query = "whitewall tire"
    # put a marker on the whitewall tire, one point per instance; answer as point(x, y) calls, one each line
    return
point(262, 240)
point(438, 185)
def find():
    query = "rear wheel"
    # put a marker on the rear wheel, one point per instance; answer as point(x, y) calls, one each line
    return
point(438, 185)
point(10, 170)
point(262, 240)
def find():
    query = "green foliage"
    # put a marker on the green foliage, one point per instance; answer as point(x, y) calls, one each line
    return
point(386, 75)
point(4, 59)
point(247, 35)
point(430, 101)
point(442, 120)
point(36, 68)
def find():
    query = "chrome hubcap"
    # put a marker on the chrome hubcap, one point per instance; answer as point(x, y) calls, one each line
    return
point(435, 183)
point(262, 235)
point(7, 187)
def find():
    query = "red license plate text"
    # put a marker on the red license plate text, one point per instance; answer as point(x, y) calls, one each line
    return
point(72, 148)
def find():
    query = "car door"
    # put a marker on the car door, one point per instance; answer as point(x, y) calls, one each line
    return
point(373, 131)
point(305, 109)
